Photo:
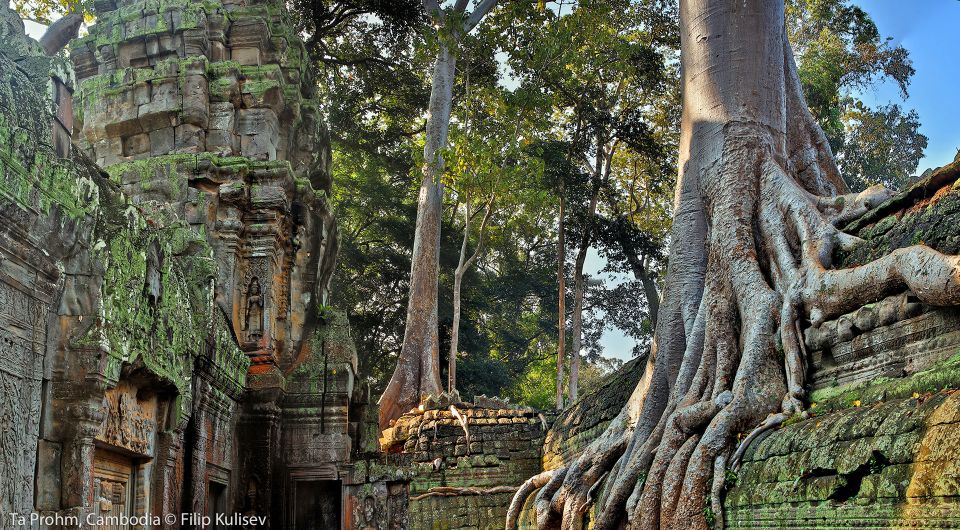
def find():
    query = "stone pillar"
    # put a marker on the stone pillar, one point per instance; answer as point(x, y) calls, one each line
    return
point(167, 484)
point(86, 420)
point(197, 487)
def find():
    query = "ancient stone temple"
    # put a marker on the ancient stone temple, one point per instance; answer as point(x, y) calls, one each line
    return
point(164, 343)
point(166, 348)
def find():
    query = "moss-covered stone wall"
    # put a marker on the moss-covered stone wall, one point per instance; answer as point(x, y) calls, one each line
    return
point(577, 426)
point(883, 455)
point(119, 313)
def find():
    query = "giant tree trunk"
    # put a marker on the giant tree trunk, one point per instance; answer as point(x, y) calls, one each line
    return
point(754, 232)
point(418, 368)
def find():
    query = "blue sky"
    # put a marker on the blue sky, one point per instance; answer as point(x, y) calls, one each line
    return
point(929, 30)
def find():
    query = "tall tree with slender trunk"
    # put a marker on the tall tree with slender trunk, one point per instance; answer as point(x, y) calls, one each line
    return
point(490, 168)
point(639, 265)
point(758, 203)
point(601, 64)
point(418, 367)
point(601, 173)
point(562, 299)
point(463, 264)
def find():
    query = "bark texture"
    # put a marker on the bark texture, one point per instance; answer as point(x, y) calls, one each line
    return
point(757, 206)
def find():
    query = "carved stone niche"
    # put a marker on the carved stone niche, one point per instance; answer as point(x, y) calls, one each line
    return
point(253, 308)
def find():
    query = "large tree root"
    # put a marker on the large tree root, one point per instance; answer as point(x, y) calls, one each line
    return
point(759, 203)
point(520, 497)
point(449, 491)
point(769, 270)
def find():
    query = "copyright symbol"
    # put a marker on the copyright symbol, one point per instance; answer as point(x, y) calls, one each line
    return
point(170, 518)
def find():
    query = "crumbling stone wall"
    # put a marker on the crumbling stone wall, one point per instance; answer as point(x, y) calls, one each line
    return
point(897, 336)
point(165, 276)
point(33, 183)
point(880, 451)
point(211, 108)
point(463, 461)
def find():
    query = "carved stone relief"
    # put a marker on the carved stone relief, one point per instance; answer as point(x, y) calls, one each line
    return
point(21, 370)
point(131, 422)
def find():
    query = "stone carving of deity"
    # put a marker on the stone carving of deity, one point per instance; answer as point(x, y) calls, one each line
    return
point(253, 318)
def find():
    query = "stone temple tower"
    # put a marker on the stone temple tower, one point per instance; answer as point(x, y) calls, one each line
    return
point(207, 112)
point(210, 108)
point(166, 246)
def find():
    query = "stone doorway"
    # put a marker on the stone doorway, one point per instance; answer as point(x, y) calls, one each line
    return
point(115, 488)
point(318, 505)
point(216, 503)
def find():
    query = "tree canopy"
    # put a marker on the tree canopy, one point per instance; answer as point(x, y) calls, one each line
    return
point(542, 88)
point(573, 102)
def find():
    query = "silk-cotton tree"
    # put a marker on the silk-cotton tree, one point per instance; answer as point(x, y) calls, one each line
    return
point(418, 367)
point(759, 201)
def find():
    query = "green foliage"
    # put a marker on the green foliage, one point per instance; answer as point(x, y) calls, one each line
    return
point(709, 516)
point(610, 69)
point(508, 311)
point(523, 129)
point(730, 478)
point(47, 11)
point(537, 386)
point(839, 51)
point(883, 146)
